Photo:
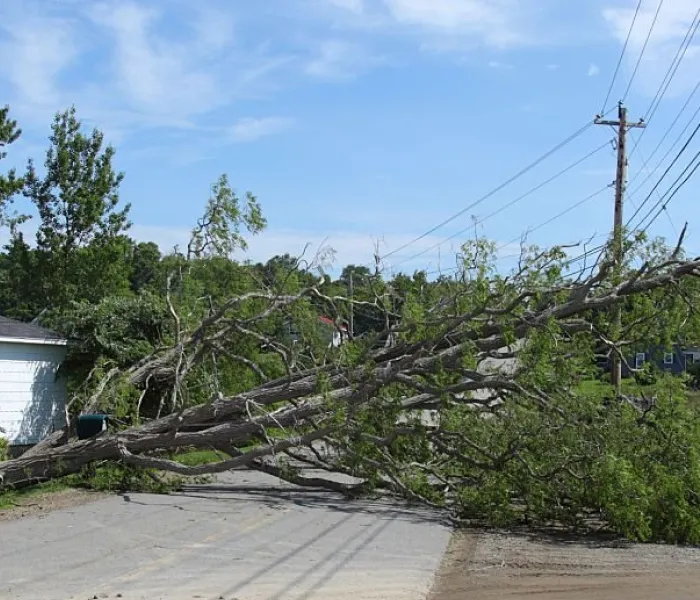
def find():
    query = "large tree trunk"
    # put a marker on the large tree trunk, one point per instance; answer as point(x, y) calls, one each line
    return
point(300, 413)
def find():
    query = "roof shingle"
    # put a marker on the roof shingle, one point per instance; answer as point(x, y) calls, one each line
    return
point(9, 328)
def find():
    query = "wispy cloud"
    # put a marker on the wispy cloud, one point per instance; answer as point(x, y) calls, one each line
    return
point(128, 64)
point(448, 23)
point(37, 49)
point(156, 75)
point(593, 70)
point(493, 21)
point(251, 129)
point(340, 59)
point(495, 64)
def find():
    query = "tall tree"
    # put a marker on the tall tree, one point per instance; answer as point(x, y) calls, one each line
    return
point(10, 184)
point(219, 231)
point(78, 204)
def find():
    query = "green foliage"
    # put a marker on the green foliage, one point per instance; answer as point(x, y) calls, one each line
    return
point(10, 184)
point(117, 477)
point(80, 221)
point(4, 448)
point(218, 232)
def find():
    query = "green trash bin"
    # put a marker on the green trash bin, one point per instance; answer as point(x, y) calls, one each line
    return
point(89, 426)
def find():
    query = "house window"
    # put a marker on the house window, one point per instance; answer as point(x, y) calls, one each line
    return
point(689, 358)
point(668, 358)
point(639, 360)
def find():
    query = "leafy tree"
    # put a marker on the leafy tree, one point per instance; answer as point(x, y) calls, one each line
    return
point(19, 296)
point(10, 184)
point(219, 231)
point(78, 205)
point(146, 259)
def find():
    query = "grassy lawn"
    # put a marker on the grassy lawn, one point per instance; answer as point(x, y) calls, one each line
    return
point(13, 498)
point(594, 387)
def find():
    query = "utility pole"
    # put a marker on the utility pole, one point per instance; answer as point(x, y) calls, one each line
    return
point(623, 126)
point(351, 293)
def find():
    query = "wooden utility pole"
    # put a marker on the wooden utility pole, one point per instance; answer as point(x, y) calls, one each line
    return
point(623, 126)
point(351, 294)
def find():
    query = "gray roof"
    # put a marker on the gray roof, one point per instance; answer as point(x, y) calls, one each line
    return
point(9, 328)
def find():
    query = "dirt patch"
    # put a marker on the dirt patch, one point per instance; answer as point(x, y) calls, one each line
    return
point(536, 567)
point(43, 503)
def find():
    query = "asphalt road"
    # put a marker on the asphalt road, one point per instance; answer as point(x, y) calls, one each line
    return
point(248, 537)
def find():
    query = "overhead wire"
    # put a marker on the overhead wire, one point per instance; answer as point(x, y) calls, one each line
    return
point(666, 172)
point(667, 214)
point(643, 50)
point(670, 74)
point(672, 193)
point(663, 138)
point(558, 215)
point(622, 55)
point(508, 205)
point(494, 191)
point(673, 68)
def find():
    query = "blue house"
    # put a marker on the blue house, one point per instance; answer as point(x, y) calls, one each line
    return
point(675, 360)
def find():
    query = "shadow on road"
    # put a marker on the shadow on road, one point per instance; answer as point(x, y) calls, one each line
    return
point(312, 498)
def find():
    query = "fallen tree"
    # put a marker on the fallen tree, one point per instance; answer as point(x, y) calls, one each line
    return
point(467, 401)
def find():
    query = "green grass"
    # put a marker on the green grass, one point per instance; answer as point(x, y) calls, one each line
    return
point(193, 458)
point(590, 387)
point(595, 387)
point(12, 498)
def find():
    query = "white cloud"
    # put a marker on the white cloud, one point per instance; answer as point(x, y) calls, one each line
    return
point(37, 49)
point(495, 64)
point(491, 20)
point(156, 75)
point(250, 129)
point(338, 59)
point(496, 23)
point(593, 70)
point(147, 67)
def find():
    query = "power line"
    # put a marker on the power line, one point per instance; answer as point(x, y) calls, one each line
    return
point(670, 73)
point(663, 206)
point(673, 68)
point(667, 215)
point(497, 189)
point(559, 215)
point(508, 205)
point(644, 47)
point(622, 55)
point(668, 169)
point(663, 138)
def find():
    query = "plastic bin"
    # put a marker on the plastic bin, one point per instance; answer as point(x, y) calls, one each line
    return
point(88, 426)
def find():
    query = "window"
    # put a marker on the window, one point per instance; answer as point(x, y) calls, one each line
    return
point(689, 358)
point(639, 360)
point(668, 358)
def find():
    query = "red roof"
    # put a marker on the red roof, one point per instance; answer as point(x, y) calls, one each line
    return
point(331, 322)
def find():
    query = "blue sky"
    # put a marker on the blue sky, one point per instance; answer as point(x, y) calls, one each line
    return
point(355, 122)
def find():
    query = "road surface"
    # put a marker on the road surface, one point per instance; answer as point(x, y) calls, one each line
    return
point(247, 537)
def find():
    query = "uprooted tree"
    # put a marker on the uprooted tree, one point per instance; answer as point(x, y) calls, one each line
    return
point(470, 398)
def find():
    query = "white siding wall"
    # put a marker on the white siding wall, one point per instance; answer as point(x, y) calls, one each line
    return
point(32, 398)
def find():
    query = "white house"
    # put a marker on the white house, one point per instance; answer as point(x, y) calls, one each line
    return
point(32, 393)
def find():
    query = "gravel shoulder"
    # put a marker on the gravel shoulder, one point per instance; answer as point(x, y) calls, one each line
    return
point(538, 566)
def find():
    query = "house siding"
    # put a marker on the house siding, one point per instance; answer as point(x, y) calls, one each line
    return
point(32, 395)
point(682, 358)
